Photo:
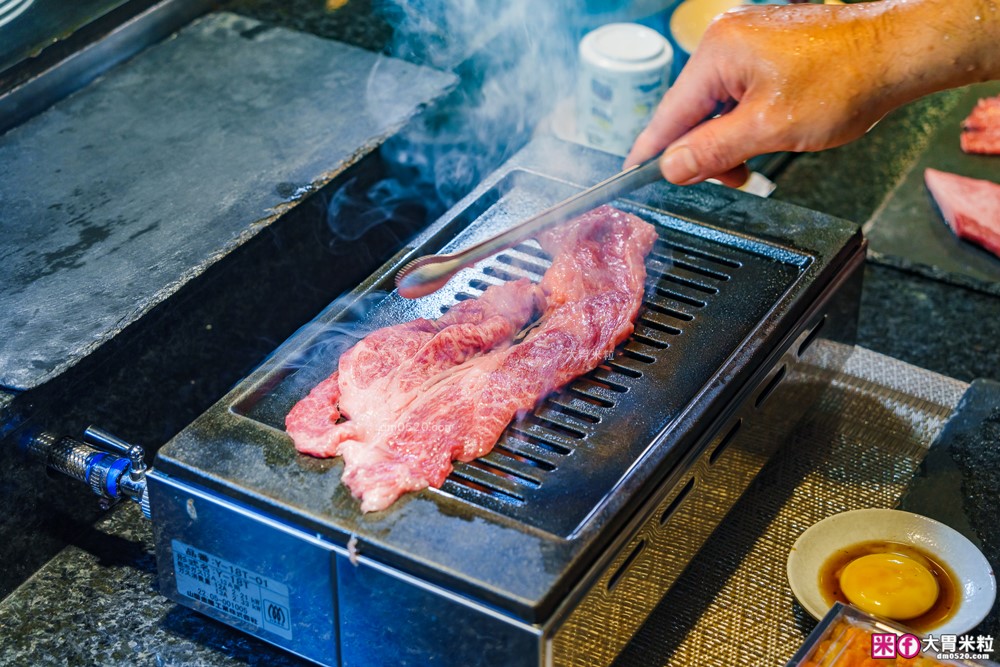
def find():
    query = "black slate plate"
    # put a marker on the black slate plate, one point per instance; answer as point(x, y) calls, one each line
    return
point(959, 480)
point(117, 196)
point(908, 231)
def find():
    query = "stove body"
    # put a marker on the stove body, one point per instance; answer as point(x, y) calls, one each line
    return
point(554, 548)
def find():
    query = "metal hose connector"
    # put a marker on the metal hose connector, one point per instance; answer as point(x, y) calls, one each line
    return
point(111, 475)
point(71, 458)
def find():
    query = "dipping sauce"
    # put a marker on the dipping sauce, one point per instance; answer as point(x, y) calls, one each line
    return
point(893, 580)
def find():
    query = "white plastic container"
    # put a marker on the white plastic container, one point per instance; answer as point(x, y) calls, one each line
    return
point(624, 71)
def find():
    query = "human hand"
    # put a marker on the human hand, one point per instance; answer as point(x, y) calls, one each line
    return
point(797, 78)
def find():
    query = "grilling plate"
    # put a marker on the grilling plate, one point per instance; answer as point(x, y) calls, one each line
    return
point(554, 548)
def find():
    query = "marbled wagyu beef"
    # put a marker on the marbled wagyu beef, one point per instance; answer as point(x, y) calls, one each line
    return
point(981, 130)
point(970, 206)
point(409, 399)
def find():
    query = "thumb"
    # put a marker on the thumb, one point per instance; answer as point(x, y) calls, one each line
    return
point(713, 148)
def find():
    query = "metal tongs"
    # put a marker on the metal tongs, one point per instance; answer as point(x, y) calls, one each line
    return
point(429, 273)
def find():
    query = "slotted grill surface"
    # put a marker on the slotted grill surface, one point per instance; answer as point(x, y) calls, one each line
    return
point(681, 280)
point(706, 292)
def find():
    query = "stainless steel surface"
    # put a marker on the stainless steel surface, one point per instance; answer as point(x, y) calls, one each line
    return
point(38, 447)
point(278, 565)
point(107, 441)
point(70, 458)
point(428, 274)
point(10, 10)
point(39, 90)
point(30, 26)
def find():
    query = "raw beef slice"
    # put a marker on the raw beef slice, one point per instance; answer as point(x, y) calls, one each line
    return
point(970, 206)
point(409, 399)
point(981, 130)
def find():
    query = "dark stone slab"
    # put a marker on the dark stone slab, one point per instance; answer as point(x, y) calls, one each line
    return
point(908, 229)
point(929, 323)
point(121, 194)
point(925, 317)
point(358, 22)
point(97, 601)
point(159, 374)
point(959, 479)
point(79, 609)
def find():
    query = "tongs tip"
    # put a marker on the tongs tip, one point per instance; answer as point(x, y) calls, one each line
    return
point(427, 274)
point(421, 276)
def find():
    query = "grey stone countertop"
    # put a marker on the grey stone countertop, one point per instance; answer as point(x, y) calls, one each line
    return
point(96, 603)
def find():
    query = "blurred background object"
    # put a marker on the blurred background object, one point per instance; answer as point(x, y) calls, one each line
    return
point(622, 75)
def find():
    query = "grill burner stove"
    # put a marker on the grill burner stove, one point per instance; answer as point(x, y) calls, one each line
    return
point(554, 548)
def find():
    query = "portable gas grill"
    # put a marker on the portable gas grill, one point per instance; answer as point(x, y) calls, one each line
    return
point(555, 547)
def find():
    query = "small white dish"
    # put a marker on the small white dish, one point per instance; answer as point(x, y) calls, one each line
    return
point(974, 575)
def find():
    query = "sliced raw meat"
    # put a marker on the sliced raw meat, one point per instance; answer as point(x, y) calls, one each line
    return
point(402, 357)
point(408, 400)
point(970, 206)
point(981, 130)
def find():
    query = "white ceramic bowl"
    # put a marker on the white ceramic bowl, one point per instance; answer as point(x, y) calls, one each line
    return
point(974, 576)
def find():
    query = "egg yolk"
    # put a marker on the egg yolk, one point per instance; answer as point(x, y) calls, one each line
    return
point(890, 585)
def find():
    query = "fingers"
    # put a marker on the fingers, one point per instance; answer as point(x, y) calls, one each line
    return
point(735, 177)
point(715, 149)
point(692, 97)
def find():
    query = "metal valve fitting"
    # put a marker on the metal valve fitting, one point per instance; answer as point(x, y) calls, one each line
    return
point(113, 468)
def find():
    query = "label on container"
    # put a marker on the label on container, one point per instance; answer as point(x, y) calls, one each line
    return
point(232, 590)
point(624, 71)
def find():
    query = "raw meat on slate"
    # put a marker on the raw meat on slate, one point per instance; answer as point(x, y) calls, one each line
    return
point(981, 130)
point(970, 206)
point(409, 399)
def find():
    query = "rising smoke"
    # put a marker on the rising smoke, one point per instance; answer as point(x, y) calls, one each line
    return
point(516, 60)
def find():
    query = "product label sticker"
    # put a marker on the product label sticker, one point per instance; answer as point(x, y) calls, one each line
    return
point(232, 590)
